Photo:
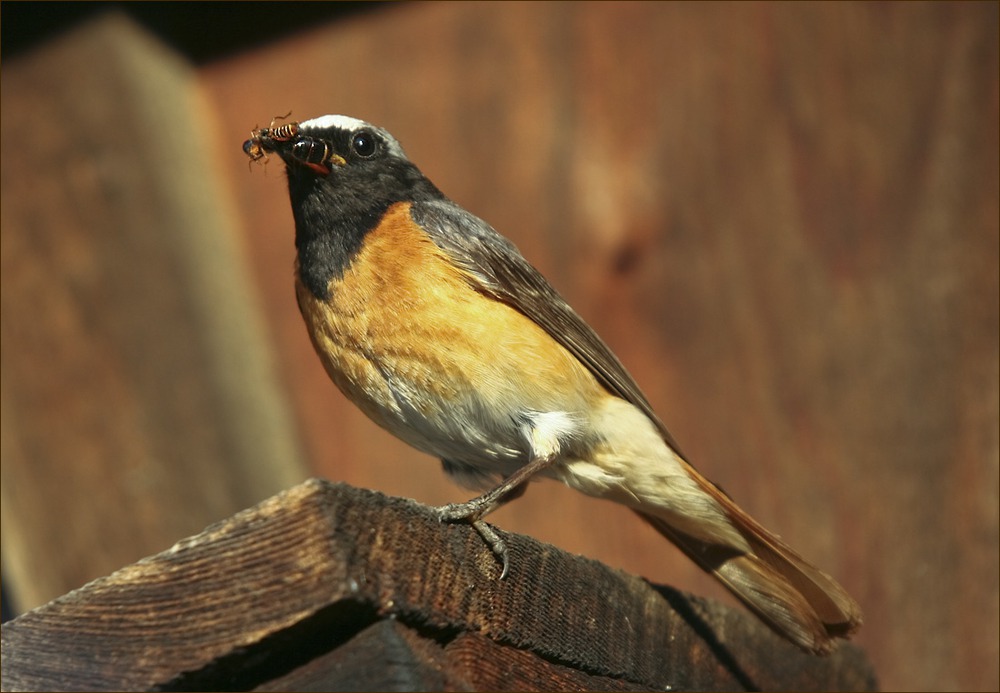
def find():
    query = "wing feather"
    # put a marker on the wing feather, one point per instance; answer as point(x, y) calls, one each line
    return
point(496, 267)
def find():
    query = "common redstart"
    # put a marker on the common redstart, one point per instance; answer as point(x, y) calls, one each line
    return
point(439, 330)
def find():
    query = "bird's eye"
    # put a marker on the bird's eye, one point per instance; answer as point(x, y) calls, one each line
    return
point(363, 143)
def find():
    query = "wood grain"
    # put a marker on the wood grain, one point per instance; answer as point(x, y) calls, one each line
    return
point(782, 217)
point(784, 220)
point(286, 594)
point(139, 400)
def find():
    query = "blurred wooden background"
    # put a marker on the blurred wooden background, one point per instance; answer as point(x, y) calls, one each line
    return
point(784, 219)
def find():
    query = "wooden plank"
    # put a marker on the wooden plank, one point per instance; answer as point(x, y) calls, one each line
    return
point(385, 656)
point(138, 398)
point(276, 587)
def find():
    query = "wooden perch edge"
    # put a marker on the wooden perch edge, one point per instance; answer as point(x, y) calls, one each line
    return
point(326, 586)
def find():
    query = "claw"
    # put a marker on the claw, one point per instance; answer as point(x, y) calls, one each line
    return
point(475, 510)
point(471, 512)
point(497, 545)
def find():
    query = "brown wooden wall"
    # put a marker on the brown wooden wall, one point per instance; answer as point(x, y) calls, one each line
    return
point(784, 219)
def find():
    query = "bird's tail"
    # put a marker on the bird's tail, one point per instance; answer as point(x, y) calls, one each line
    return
point(795, 598)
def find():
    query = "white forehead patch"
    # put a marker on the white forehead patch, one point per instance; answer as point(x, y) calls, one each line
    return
point(333, 121)
point(342, 122)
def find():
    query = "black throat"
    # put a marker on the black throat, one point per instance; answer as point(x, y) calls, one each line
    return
point(334, 213)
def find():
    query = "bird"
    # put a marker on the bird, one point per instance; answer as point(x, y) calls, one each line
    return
point(441, 332)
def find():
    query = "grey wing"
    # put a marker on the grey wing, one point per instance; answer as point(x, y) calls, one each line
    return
point(498, 269)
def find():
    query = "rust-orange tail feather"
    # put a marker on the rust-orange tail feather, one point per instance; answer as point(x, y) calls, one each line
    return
point(795, 598)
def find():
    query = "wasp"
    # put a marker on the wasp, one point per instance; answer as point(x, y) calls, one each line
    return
point(283, 133)
point(255, 147)
point(316, 154)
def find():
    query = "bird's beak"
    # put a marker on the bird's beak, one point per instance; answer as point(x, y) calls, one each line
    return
point(296, 150)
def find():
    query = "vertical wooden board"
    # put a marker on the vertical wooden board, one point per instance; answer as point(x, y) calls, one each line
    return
point(783, 218)
point(138, 398)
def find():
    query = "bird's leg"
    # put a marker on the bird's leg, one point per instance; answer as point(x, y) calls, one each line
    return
point(474, 510)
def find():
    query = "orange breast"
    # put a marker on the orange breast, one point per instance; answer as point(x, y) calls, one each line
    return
point(406, 337)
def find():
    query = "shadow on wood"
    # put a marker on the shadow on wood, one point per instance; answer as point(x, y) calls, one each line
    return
point(329, 587)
